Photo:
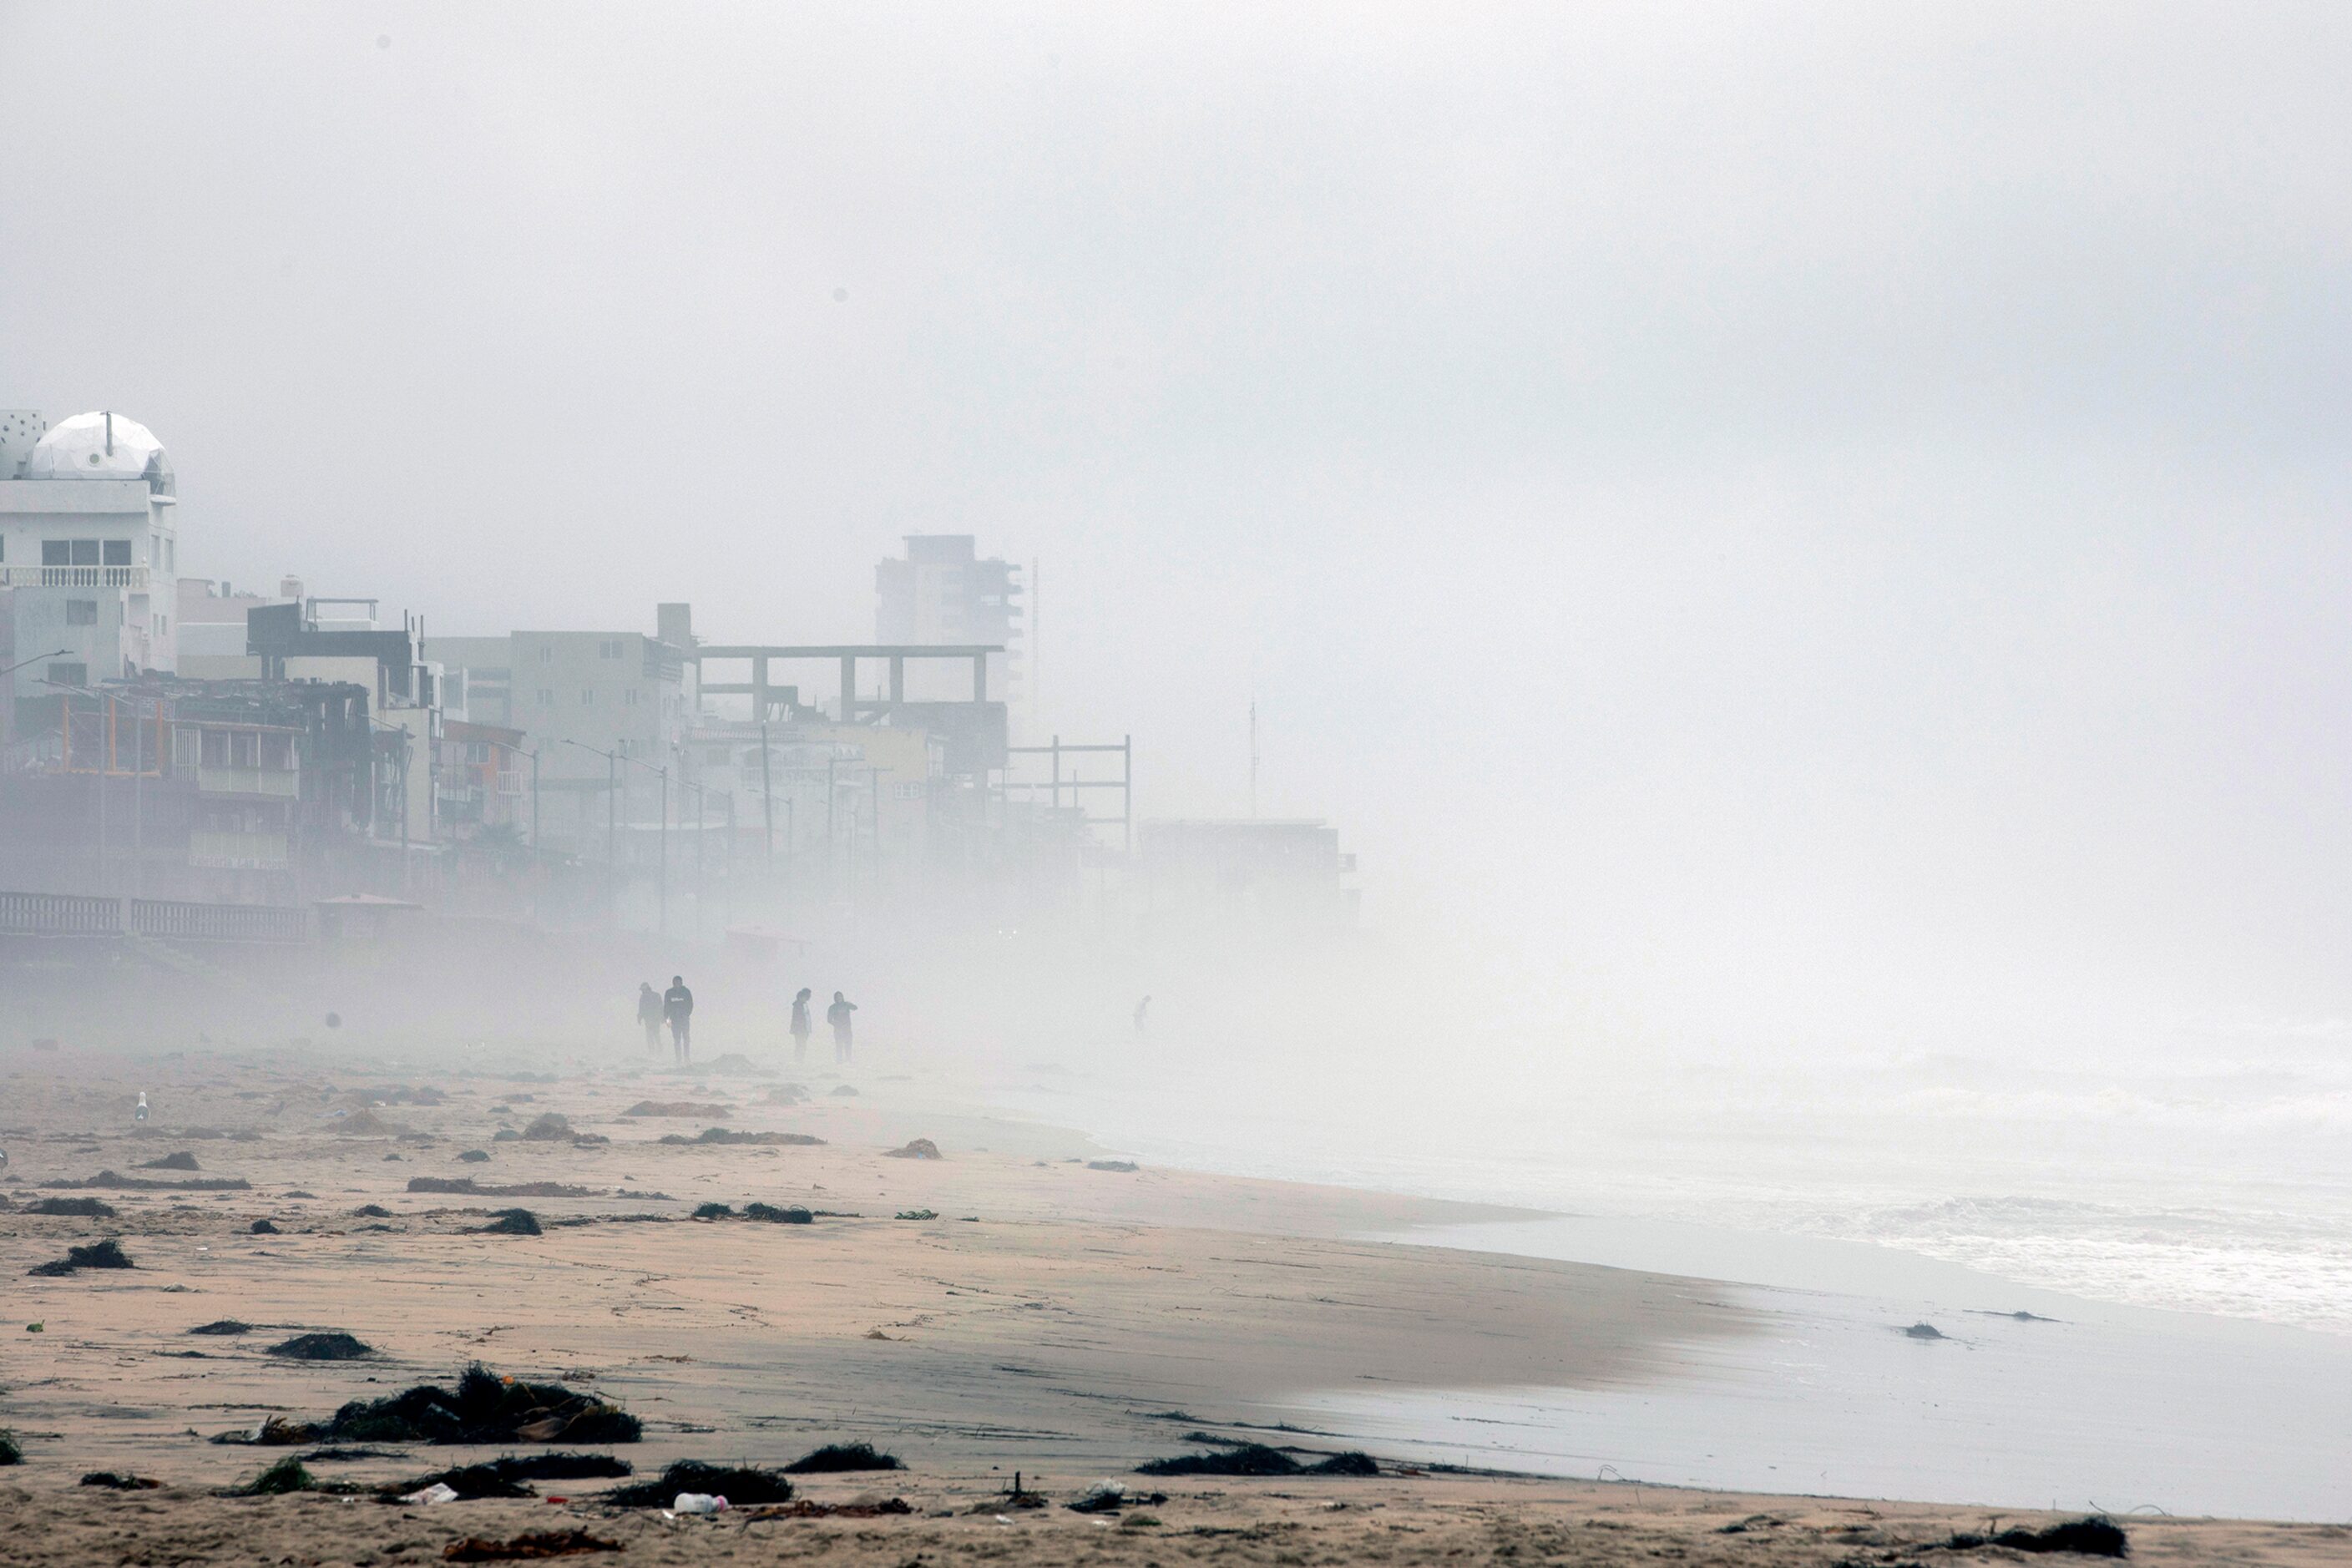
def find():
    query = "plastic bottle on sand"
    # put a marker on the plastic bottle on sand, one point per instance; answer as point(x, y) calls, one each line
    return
point(140, 1114)
point(698, 1502)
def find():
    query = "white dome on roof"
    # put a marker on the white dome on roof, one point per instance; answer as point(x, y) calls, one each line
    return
point(102, 446)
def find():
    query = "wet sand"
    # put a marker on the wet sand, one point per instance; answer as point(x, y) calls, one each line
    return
point(1065, 1322)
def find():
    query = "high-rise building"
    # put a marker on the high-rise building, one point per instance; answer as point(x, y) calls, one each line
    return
point(943, 592)
point(88, 550)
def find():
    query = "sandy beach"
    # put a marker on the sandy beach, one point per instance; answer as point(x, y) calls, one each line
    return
point(1043, 1312)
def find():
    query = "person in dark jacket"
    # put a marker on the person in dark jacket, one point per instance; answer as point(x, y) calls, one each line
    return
point(838, 1017)
point(649, 1014)
point(802, 1028)
point(677, 1006)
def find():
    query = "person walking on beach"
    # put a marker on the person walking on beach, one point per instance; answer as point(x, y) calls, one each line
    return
point(677, 1006)
point(838, 1017)
point(649, 1014)
point(802, 1028)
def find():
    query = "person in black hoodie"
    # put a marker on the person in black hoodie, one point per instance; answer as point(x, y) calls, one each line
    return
point(677, 1006)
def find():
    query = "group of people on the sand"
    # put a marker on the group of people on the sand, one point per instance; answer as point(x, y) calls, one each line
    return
point(674, 1007)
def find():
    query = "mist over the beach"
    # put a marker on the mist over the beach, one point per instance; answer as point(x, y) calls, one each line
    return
point(1802, 549)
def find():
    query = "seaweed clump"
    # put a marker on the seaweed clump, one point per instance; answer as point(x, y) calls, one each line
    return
point(107, 1254)
point(839, 1456)
point(506, 1477)
point(72, 1208)
point(1257, 1459)
point(332, 1346)
point(2095, 1536)
point(741, 1485)
point(482, 1408)
point(791, 1213)
point(510, 1222)
point(285, 1476)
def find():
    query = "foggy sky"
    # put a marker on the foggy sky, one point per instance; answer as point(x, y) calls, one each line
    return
point(1762, 524)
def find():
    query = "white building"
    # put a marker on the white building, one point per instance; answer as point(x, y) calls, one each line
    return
point(89, 550)
point(943, 592)
point(579, 696)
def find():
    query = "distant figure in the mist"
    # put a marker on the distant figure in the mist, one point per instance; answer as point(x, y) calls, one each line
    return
point(802, 1028)
point(677, 1006)
point(838, 1017)
point(649, 1014)
point(1142, 1014)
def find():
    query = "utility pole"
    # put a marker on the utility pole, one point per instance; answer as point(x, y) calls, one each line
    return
point(105, 766)
point(1253, 759)
point(611, 817)
point(664, 771)
point(767, 807)
point(137, 795)
point(405, 749)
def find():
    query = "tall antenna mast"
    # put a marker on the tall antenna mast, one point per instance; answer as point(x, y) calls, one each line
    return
point(1253, 759)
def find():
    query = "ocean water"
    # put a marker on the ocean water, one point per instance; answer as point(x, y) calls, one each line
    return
point(2209, 1176)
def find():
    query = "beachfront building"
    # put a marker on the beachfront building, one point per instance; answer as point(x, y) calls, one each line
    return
point(942, 592)
point(89, 553)
point(582, 697)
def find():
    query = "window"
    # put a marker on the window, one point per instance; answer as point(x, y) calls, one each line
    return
point(216, 748)
point(68, 675)
point(629, 698)
point(243, 748)
point(82, 612)
point(118, 552)
point(587, 697)
point(546, 654)
point(609, 648)
point(547, 697)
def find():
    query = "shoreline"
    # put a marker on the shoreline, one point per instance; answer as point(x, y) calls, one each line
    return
point(1066, 1321)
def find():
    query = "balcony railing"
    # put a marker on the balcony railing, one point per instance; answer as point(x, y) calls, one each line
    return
point(54, 914)
point(219, 922)
point(132, 577)
point(59, 915)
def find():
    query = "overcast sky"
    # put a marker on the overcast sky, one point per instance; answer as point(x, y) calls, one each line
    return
point(1792, 522)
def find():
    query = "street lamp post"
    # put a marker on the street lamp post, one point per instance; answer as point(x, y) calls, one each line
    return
point(613, 760)
point(612, 822)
